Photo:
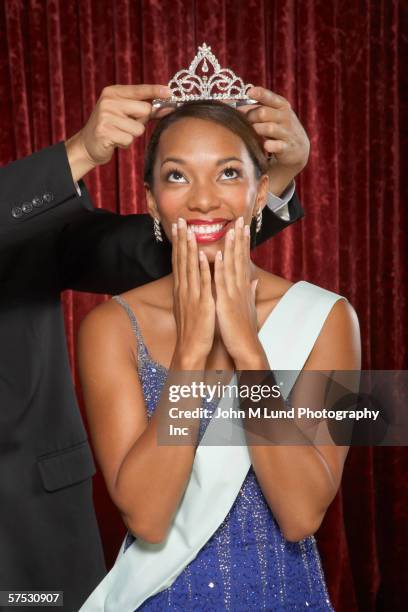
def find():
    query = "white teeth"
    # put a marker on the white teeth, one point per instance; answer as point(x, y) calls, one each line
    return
point(206, 229)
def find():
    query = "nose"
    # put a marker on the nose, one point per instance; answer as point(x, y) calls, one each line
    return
point(203, 198)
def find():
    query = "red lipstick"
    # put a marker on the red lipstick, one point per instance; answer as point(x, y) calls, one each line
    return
point(209, 230)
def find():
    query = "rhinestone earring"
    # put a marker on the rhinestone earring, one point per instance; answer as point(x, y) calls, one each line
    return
point(258, 218)
point(157, 230)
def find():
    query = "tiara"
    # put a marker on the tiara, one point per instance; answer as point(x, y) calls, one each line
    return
point(206, 80)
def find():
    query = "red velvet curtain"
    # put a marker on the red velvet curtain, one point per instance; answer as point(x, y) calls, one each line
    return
point(341, 65)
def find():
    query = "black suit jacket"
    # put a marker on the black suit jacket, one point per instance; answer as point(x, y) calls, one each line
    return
point(50, 240)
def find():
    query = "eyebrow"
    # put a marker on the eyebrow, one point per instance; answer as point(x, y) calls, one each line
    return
point(220, 162)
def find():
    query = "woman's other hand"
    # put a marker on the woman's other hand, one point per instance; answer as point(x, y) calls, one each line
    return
point(285, 138)
point(235, 302)
point(194, 306)
point(119, 117)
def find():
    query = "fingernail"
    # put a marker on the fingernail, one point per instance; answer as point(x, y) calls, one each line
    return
point(201, 255)
point(246, 230)
point(219, 255)
point(189, 234)
point(165, 91)
point(240, 222)
point(174, 228)
point(231, 234)
point(180, 222)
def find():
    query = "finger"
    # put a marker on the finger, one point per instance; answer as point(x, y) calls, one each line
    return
point(159, 113)
point(275, 146)
point(174, 254)
point(205, 276)
point(182, 253)
point(262, 114)
point(125, 124)
point(240, 258)
point(193, 271)
point(247, 108)
point(271, 130)
point(124, 107)
point(138, 92)
point(137, 109)
point(219, 275)
point(247, 249)
point(114, 137)
point(267, 97)
point(228, 261)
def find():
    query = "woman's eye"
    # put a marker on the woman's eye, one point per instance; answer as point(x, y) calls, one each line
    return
point(230, 173)
point(175, 177)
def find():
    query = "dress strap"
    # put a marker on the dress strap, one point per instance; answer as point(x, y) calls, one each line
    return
point(142, 352)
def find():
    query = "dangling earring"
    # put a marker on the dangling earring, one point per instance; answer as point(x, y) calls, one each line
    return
point(258, 220)
point(157, 230)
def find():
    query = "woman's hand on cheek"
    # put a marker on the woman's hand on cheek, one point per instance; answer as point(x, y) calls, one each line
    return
point(235, 301)
point(194, 307)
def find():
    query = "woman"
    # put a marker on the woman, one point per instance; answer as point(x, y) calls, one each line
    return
point(206, 181)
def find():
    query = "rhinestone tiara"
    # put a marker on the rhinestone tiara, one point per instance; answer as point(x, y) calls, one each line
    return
point(206, 80)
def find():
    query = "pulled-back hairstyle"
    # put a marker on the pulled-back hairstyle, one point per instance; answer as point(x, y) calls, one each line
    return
point(218, 112)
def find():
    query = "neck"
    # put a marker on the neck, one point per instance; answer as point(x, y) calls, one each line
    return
point(253, 271)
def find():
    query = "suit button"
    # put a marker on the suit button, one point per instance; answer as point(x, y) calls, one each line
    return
point(27, 207)
point(48, 197)
point(16, 212)
point(37, 202)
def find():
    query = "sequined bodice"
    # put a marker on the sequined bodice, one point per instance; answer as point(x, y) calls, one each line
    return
point(247, 565)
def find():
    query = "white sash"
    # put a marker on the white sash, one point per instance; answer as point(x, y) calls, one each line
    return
point(287, 336)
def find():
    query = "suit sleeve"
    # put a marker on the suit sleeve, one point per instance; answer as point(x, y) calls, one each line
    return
point(37, 193)
point(104, 252)
point(272, 223)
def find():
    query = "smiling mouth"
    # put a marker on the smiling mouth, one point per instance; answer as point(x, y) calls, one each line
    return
point(209, 231)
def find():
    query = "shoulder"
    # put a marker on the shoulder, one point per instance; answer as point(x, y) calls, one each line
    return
point(338, 345)
point(109, 324)
point(112, 315)
point(341, 315)
point(341, 322)
point(105, 316)
point(105, 335)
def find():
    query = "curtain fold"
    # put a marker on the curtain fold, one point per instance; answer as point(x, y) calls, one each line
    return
point(342, 65)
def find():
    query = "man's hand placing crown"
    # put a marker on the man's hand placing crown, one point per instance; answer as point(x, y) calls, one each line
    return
point(285, 138)
point(120, 116)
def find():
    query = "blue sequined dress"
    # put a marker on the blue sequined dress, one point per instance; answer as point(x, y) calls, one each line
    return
point(247, 565)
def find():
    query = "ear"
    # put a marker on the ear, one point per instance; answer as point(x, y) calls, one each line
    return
point(262, 195)
point(151, 202)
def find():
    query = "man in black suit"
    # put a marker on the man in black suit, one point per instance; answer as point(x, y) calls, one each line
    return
point(51, 239)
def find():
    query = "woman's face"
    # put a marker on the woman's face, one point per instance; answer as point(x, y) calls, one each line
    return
point(204, 174)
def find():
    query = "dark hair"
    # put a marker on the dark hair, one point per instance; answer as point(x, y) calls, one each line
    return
point(218, 112)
